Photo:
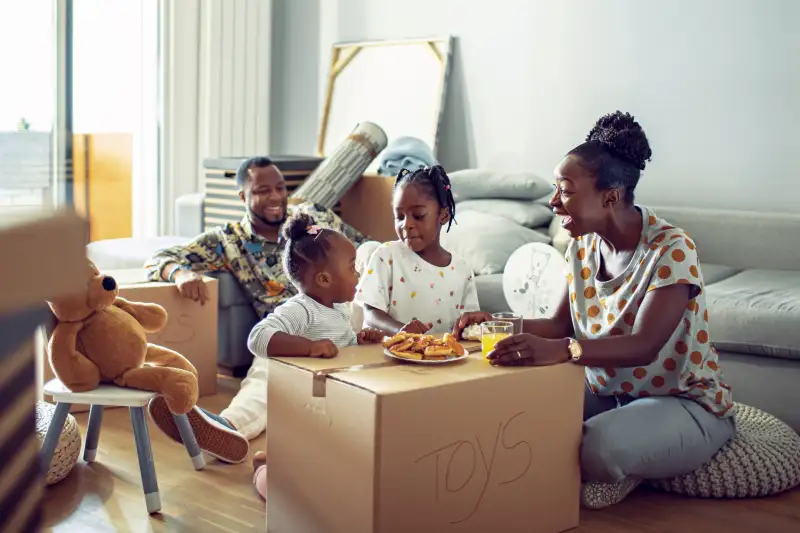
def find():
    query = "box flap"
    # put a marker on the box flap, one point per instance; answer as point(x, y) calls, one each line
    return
point(45, 257)
point(367, 367)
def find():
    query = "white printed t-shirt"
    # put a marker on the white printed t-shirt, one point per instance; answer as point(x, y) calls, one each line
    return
point(688, 365)
point(402, 284)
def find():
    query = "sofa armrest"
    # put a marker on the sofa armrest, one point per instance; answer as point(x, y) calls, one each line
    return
point(189, 215)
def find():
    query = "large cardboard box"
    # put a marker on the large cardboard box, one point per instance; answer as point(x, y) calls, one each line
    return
point(361, 444)
point(191, 328)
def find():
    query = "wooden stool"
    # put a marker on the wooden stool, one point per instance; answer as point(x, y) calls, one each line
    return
point(110, 395)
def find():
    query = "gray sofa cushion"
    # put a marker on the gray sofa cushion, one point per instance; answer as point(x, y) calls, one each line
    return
point(231, 293)
point(487, 241)
point(490, 293)
point(713, 273)
point(757, 312)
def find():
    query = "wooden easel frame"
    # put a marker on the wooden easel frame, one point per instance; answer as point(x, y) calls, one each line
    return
point(344, 53)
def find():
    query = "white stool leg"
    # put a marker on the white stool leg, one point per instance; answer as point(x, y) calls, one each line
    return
point(53, 434)
point(146, 466)
point(190, 441)
point(93, 433)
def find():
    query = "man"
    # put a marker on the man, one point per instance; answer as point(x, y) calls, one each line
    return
point(251, 250)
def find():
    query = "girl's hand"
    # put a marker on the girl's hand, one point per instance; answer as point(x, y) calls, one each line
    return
point(415, 326)
point(529, 350)
point(370, 336)
point(467, 319)
point(324, 348)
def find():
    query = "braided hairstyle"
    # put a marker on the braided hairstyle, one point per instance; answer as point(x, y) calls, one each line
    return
point(437, 184)
point(615, 152)
point(306, 246)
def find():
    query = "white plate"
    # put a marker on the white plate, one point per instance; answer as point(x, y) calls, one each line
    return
point(428, 361)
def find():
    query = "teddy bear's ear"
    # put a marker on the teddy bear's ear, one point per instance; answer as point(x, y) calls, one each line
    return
point(94, 271)
point(70, 308)
point(75, 307)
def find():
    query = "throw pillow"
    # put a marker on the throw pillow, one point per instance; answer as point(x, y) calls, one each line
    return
point(534, 280)
point(523, 212)
point(763, 458)
point(481, 183)
point(487, 241)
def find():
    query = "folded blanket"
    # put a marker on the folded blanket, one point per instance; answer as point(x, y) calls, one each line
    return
point(405, 152)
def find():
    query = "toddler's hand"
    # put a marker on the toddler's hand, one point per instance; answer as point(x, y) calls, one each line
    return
point(415, 326)
point(370, 336)
point(324, 348)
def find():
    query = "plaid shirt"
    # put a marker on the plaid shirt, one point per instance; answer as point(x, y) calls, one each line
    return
point(256, 263)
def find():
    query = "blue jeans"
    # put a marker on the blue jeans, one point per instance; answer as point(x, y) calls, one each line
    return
point(649, 438)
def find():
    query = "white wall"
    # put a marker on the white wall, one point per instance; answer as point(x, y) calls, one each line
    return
point(295, 89)
point(715, 84)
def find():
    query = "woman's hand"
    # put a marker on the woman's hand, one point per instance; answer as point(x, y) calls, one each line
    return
point(527, 349)
point(370, 336)
point(415, 326)
point(467, 319)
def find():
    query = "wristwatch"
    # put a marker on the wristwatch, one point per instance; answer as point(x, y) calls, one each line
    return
point(575, 350)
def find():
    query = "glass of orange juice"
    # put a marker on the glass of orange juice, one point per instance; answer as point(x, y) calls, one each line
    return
point(493, 332)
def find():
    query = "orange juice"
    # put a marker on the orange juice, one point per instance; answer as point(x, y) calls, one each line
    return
point(488, 340)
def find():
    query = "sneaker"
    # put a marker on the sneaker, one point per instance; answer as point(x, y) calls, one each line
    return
point(598, 495)
point(215, 435)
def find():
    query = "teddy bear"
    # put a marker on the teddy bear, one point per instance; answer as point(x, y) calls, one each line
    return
point(101, 338)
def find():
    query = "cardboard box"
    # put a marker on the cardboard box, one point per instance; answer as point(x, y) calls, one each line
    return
point(191, 328)
point(361, 444)
point(44, 256)
point(367, 207)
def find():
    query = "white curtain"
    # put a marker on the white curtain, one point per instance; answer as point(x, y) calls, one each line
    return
point(216, 64)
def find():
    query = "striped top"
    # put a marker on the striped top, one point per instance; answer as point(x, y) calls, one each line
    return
point(303, 316)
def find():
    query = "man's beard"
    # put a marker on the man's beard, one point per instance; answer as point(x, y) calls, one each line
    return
point(255, 216)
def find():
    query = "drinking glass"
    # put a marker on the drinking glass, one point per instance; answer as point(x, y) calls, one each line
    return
point(508, 316)
point(492, 333)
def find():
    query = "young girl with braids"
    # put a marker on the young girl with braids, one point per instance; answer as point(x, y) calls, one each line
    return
point(320, 262)
point(413, 284)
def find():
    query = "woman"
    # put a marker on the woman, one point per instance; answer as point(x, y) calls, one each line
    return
point(634, 314)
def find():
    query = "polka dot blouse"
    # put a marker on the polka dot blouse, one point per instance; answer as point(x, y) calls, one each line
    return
point(687, 365)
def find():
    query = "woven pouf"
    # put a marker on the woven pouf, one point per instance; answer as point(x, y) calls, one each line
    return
point(69, 443)
point(763, 458)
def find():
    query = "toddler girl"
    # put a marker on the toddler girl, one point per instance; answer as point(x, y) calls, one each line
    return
point(316, 322)
point(413, 284)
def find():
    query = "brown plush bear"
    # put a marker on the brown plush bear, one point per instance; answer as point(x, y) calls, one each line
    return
point(100, 337)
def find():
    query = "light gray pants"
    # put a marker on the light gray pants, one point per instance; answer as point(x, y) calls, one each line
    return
point(649, 438)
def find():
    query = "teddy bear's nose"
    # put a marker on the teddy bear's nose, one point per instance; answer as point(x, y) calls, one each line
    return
point(109, 283)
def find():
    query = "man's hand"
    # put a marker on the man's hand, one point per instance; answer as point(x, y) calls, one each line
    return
point(190, 285)
point(370, 336)
point(467, 319)
point(324, 348)
point(415, 326)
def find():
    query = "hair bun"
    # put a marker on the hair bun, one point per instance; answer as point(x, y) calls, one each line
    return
point(623, 136)
point(296, 227)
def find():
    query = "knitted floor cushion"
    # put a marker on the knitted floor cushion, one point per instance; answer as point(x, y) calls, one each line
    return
point(762, 459)
point(69, 443)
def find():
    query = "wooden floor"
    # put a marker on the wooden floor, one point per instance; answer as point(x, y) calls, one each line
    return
point(107, 495)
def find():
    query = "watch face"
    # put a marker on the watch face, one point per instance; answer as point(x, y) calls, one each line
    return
point(575, 349)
